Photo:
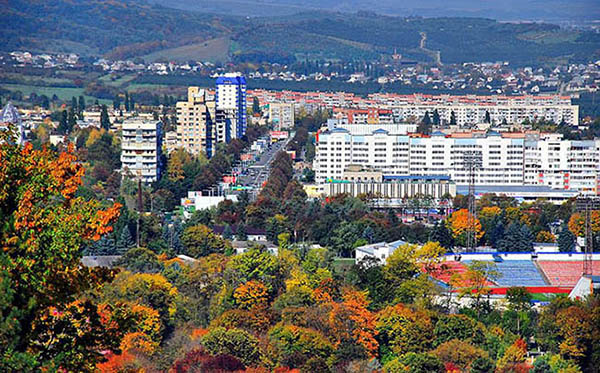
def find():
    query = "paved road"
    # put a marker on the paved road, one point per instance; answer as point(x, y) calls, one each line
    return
point(254, 175)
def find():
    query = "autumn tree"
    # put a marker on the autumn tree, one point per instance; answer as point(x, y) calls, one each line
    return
point(475, 281)
point(44, 228)
point(458, 223)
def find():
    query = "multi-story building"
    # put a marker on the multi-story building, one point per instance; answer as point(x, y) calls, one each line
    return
point(141, 149)
point(196, 130)
point(506, 159)
point(203, 121)
point(281, 115)
point(230, 97)
point(468, 110)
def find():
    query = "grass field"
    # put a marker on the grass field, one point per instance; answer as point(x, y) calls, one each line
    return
point(210, 50)
point(62, 93)
point(119, 82)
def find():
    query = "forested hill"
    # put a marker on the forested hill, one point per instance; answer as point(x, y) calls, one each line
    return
point(134, 28)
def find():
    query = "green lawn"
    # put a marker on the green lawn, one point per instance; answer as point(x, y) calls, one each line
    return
point(62, 93)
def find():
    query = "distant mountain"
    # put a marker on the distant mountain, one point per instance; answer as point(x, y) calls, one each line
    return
point(505, 10)
point(135, 28)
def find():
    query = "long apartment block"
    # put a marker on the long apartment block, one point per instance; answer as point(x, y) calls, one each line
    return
point(506, 158)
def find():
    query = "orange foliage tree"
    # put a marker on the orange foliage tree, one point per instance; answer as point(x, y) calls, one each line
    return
point(252, 294)
point(458, 223)
point(44, 225)
point(577, 223)
point(351, 320)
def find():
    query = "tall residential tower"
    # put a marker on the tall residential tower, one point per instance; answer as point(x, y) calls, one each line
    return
point(230, 96)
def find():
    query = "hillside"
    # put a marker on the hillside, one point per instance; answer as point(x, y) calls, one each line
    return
point(118, 28)
point(506, 10)
point(135, 28)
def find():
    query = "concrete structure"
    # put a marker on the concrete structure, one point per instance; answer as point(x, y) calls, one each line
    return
point(587, 286)
point(392, 189)
point(10, 116)
point(523, 193)
point(380, 250)
point(507, 158)
point(230, 97)
point(141, 149)
point(281, 115)
point(196, 130)
point(196, 201)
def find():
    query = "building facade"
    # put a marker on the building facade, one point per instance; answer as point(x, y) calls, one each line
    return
point(230, 97)
point(282, 115)
point(506, 158)
point(141, 149)
point(196, 122)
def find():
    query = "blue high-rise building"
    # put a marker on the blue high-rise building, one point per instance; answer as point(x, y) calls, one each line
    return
point(230, 97)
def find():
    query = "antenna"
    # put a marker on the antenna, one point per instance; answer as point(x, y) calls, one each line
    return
point(471, 162)
point(587, 204)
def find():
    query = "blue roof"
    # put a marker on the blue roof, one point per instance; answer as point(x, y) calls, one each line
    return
point(231, 80)
point(493, 133)
point(380, 130)
point(438, 133)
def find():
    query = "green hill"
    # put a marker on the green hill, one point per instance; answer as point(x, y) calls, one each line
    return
point(134, 28)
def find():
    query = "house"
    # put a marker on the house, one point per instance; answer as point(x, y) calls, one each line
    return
point(253, 234)
point(380, 250)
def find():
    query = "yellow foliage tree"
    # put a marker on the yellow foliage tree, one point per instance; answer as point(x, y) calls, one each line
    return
point(545, 236)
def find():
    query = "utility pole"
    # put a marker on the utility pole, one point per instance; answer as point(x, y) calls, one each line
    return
point(471, 162)
point(140, 207)
point(586, 205)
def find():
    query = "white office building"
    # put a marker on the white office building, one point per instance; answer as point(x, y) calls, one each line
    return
point(141, 149)
point(506, 159)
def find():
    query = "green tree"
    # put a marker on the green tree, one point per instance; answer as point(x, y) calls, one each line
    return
point(200, 240)
point(518, 298)
point(227, 232)
point(234, 342)
point(436, 117)
point(255, 105)
point(140, 260)
point(482, 365)
point(81, 106)
point(255, 264)
point(63, 124)
point(452, 118)
point(566, 239)
point(240, 232)
point(104, 121)
point(422, 363)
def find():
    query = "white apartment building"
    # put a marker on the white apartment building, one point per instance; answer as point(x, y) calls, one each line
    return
point(141, 149)
point(468, 115)
point(506, 159)
point(281, 115)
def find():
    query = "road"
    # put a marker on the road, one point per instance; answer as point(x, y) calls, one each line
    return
point(254, 175)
